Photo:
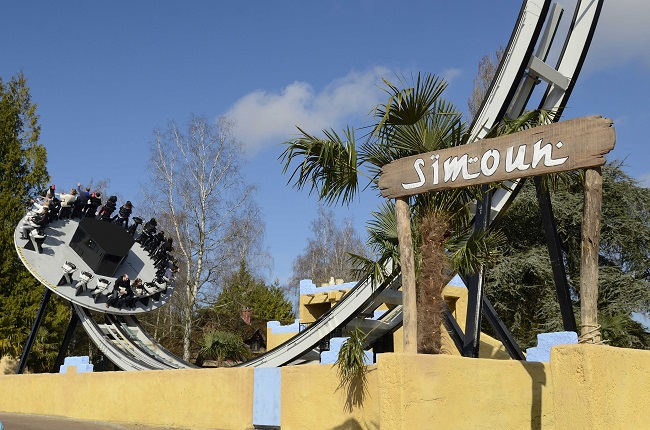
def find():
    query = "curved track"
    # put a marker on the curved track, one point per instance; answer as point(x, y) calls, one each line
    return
point(121, 337)
point(511, 89)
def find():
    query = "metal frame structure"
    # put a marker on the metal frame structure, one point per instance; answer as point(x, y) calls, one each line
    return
point(561, 80)
point(125, 343)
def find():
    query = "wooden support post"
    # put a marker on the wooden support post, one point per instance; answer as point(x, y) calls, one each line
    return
point(407, 262)
point(589, 328)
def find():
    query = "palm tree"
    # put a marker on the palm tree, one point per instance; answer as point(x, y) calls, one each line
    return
point(413, 121)
point(221, 346)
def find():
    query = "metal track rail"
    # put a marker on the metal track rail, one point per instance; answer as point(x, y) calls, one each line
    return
point(516, 77)
point(111, 348)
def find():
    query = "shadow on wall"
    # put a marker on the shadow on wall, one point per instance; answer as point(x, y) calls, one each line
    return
point(357, 390)
point(8, 365)
point(537, 374)
point(352, 424)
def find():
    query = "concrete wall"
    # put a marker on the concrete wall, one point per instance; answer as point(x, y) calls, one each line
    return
point(583, 387)
point(600, 387)
point(447, 392)
point(322, 405)
point(198, 399)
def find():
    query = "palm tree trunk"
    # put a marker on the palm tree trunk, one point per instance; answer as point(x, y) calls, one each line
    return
point(430, 283)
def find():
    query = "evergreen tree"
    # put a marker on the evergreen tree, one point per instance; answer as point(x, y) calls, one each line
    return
point(521, 284)
point(244, 291)
point(23, 175)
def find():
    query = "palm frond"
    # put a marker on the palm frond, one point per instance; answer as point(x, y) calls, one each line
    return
point(471, 251)
point(407, 106)
point(528, 119)
point(328, 166)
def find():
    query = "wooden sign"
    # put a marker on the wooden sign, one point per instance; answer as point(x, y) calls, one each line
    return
point(569, 145)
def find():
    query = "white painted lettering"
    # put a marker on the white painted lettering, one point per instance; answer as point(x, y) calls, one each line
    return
point(454, 166)
point(417, 165)
point(495, 155)
point(546, 152)
point(518, 162)
point(434, 167)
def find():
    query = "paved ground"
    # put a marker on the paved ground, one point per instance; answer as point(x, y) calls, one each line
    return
point(39, 422)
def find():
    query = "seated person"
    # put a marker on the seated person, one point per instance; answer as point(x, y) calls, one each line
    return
point(121, 289)
point(67, 203)
point(37, 221)
point(148, 231)
point(124, 213)
point(105, 212)
point(54, 208)
point(138, 292)
point(133, 228)
point(154, 242)
point(90, 208)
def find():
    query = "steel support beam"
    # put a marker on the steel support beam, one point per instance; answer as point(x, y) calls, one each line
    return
point(32, 334)
point(69, 333)
point(476, 282)
point(502, 331)
point(555, 253)
point(453, 328)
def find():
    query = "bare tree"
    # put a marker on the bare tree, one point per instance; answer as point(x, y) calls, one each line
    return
point(487, 68)
point(326, 254)
point(197, 192)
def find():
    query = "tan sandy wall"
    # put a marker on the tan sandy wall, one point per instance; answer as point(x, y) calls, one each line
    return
point(312, 399)
point(583, 387)
point(447, 392)
point(601, 387)
point(200, 399)
point(273, 340)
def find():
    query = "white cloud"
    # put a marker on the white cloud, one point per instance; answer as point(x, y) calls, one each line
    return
point(622, 34)
point(266, 118)
point(450, 74)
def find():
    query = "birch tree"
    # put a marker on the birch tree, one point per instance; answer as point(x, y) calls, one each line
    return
point(487, 68)
point(327, 252)
point(200, 195)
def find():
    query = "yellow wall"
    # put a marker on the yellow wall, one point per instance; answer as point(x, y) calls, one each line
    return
point(321, 404)
point(583, 387)
point(276, 339)
point(199, 399)
point(447, 392)
point(601, 387)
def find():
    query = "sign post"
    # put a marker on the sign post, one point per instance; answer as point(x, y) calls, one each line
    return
point(569, 145)
point(407, 262)
point(589, 328)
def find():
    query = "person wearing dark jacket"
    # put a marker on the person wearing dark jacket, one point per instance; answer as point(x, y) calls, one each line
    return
point(121, 289)
point(124, 213)
point(148, 231)
point(93, 203)
point(105, 212)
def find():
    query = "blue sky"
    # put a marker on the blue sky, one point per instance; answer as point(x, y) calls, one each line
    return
point(106, 74)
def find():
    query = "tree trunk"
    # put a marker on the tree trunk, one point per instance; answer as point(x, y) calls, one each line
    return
point(187, 323)
point(430, 283)
point(407, 262)
point(589, 328)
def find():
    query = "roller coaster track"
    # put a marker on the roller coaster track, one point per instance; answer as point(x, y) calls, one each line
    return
point(516, 77)
point(123, 340)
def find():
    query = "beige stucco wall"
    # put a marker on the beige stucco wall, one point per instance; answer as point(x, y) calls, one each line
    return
point(273, 340)
point(601, 387)
point(447, 392)
point(312, 399)
point(199, 399)
point(583, 387)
